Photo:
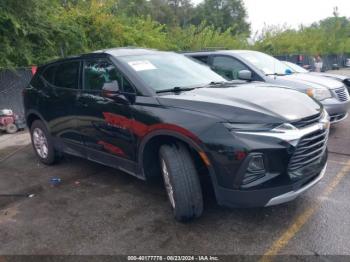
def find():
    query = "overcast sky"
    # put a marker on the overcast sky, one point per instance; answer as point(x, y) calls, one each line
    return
point(291, 12)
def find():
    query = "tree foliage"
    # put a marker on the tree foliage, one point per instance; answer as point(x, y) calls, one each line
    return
point(35, 31)
point(328, 36)
point(223, 15)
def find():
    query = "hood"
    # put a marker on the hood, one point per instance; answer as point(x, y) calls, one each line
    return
point(313, 80)
point(247, 103)
point(333, 76)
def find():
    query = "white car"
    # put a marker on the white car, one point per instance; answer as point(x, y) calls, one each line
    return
point(347, 63)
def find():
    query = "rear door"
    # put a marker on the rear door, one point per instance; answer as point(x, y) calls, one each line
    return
point(101, 120)
point(58, 101)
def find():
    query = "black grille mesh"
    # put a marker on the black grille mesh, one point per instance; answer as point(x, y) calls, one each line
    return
point(309, 150)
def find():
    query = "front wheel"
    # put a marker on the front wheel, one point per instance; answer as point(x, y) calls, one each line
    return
point(181, 182)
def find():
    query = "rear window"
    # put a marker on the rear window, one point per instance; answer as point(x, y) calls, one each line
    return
point(67, 75)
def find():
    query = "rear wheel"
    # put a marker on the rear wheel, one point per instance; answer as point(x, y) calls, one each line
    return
point(181, 182)
point(11, 128)
point(42, 143)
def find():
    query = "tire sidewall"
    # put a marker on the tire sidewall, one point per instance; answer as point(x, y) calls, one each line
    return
point(187, 192)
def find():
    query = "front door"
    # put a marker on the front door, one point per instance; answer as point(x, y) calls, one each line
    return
point(103, 121)
point(228, 67)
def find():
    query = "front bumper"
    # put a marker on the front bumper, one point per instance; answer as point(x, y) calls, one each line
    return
point(294, 161)
point(270, 196)
point(337, 110)
point(294, 194)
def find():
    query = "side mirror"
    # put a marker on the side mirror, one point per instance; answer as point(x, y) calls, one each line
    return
point(245, 75)
point(111, 87)
point(111, 90)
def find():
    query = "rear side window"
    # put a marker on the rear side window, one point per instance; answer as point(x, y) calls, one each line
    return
point(228, 67)
point(203, 59)
point(99, 72)
point(49, 74)
point(36, 80)
point(67, 75)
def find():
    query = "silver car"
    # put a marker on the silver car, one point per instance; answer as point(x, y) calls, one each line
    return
point(257, 66)
point(298, 69)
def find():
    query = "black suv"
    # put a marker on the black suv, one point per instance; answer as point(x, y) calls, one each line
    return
point(151, 113)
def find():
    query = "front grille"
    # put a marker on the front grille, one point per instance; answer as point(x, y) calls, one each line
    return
point(337, 117)
point(307, 121)
point(309, 150)
point(342, 94)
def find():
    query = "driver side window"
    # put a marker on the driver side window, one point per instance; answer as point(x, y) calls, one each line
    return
point(98, 73)
point(228, 67)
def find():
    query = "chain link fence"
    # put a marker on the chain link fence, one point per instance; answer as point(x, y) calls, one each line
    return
point(330, 62)
point(12, 83)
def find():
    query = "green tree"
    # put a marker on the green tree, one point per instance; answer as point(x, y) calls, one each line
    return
point(27, 31)
point(223, 14)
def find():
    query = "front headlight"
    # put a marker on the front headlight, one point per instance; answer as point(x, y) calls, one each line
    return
point(275, 128)
point(249, 127)
point(319, 93)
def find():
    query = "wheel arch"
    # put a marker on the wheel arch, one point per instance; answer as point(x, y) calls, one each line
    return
point(31, 116)
point(149, 148)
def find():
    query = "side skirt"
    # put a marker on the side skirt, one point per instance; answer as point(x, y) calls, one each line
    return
point(100, 157)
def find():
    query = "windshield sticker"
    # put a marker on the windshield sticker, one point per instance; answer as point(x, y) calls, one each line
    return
point(142, 65)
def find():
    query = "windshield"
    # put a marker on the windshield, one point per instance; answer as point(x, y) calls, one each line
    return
point(168, 70)
point(295, 68)
point(267, 64)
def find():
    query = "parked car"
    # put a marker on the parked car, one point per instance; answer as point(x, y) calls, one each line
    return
point(160, 114)
point(298, 69)
point(332, 94)
point(10, 122)
point(347, 62)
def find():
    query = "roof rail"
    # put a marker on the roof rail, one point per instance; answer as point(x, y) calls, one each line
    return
point(208, 49)
point(213, 48)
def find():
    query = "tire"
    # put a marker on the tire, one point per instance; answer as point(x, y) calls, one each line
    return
point(11, 128)
point(181, 182)
point(43, 147)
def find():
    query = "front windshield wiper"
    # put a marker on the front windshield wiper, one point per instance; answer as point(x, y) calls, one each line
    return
point(231, 83)
point(213, 83)
point(176, 89)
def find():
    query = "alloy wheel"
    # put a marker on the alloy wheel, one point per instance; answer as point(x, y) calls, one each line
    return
point(40, 143)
